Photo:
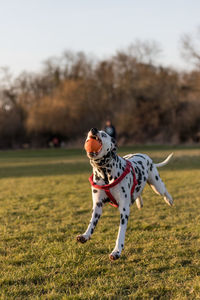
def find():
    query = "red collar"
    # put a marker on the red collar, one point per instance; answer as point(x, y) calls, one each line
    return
point(107, 187)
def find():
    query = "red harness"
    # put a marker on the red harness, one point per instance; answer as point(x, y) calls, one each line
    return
point(107, 187)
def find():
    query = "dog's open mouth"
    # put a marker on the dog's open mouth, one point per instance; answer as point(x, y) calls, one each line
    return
point(93, 145)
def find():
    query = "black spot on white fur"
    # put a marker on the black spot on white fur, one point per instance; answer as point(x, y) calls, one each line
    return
point(137, 189)
point(104, 135)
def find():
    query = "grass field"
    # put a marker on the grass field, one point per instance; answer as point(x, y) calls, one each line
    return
point(45, 202)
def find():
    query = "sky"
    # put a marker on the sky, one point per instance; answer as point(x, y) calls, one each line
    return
point(32, 31)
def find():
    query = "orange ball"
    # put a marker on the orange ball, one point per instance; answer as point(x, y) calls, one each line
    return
point(92, 145)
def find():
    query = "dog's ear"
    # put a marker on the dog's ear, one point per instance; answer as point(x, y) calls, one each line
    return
point(114, 144)
point(113, 141)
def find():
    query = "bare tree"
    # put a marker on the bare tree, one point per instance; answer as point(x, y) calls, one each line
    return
point(145, 51)
point(190, 47)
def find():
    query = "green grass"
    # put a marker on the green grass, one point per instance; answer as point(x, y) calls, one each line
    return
point(45, 202)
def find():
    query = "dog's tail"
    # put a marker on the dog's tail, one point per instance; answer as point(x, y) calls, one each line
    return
point(165, 162)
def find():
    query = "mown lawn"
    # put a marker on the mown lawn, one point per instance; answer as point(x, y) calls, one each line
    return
point(45, 202)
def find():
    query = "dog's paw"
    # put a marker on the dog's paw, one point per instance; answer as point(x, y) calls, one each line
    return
point(114, 255)
point(81, 238)
point(169, 201)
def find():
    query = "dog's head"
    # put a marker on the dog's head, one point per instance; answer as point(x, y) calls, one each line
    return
point(99, 144)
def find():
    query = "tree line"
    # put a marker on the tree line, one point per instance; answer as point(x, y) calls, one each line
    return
point(146, 102)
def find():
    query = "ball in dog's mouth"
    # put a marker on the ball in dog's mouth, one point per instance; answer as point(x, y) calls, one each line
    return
point(93, 146)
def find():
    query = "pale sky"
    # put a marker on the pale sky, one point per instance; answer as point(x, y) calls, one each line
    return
point(33, 30)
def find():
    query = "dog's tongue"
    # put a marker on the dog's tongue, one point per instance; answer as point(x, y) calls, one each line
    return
point(92, 145)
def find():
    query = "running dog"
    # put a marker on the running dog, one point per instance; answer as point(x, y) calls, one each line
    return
point(119, 181)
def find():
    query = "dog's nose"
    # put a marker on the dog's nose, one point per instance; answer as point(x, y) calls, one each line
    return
point(94, 131)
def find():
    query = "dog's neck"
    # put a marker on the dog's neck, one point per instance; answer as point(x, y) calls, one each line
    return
point(108, 168)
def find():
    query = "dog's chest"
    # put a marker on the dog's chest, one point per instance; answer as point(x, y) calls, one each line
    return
point(115, 169)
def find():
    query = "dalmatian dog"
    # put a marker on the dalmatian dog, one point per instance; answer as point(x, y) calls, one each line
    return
point(107, 167)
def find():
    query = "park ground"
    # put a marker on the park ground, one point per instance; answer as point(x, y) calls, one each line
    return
point(45, 201)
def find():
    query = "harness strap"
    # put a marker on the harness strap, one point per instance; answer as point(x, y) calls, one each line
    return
point(107, 187)
point(112, 202)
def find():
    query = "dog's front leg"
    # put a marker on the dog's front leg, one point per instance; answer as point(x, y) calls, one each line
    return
point(124, 214)
point(98, 201)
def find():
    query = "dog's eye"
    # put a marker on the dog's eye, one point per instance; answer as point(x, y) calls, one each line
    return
point(103, 135)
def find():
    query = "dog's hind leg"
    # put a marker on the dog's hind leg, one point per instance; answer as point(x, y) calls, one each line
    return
point(158, 185)
point(139, 202)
